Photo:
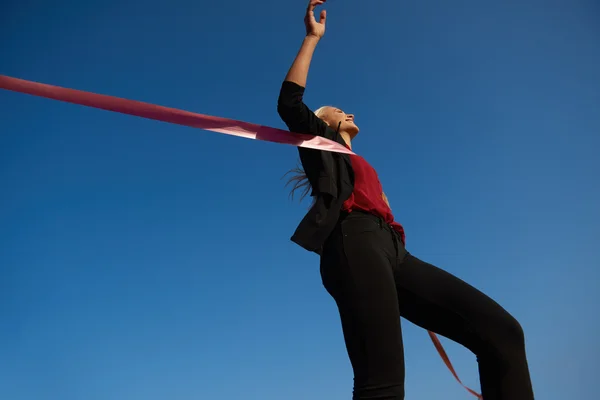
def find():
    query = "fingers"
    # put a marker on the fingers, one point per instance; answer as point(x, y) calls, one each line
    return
point(314, 3)
point(311, 7)
point(310, 20)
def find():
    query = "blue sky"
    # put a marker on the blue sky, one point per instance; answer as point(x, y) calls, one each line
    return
point(142, 260)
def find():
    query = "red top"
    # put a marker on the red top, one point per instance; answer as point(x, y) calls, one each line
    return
point(367, 194)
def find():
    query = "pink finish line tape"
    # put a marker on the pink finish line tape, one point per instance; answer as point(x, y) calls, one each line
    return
point(171, 115)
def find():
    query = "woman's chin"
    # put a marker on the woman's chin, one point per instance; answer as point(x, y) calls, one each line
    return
point(353, 130)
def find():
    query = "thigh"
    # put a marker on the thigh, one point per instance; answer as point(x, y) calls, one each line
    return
point(357, 271)
point(439, 301)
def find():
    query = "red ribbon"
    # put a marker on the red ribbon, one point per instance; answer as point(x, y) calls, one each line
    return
point(446, 359)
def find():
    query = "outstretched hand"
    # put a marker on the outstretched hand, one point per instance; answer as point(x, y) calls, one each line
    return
point(314, 28)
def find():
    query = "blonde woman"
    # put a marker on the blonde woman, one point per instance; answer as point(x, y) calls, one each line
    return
point(369, 273)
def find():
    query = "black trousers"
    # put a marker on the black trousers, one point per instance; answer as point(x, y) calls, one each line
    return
point(375, 281)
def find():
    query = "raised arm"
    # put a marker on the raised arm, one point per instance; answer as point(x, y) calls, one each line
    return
point(314, 32)
point(290, 106)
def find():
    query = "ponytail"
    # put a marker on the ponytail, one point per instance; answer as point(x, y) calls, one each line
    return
point(299, 181)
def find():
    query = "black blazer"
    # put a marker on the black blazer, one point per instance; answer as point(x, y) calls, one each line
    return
point(330, 174)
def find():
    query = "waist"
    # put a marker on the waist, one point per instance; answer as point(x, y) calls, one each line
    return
point(376, 218)
point(368, 230)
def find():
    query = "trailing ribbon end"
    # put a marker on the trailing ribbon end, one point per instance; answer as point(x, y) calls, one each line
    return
point(446, 359)
point(171, 115)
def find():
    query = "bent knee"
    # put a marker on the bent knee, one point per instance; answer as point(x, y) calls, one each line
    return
point(514, 330)
point(505, 333)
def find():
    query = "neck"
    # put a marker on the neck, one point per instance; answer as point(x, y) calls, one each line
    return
point(347, 138)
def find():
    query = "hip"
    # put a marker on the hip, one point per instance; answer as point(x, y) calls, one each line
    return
point(364, 232)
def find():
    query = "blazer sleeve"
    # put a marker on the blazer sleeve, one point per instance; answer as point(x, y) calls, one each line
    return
point(297, 116)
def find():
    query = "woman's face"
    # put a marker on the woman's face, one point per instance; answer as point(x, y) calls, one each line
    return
point(335, 117)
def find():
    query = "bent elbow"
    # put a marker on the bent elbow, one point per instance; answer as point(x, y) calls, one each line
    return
point(290, 107)
point(286, 112)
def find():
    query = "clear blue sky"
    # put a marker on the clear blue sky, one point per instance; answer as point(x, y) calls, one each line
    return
point(146, 261)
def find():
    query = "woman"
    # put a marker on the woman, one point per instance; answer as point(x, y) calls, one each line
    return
point(371, 276)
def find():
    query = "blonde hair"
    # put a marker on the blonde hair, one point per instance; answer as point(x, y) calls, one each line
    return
point(319, 111)
point(299, 180)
